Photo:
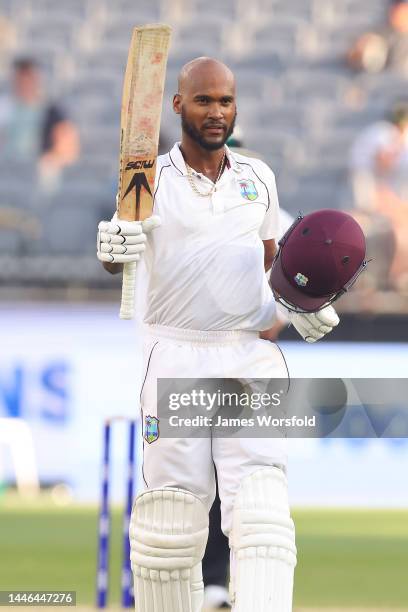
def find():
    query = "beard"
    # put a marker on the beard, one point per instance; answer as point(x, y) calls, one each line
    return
point(196, 135)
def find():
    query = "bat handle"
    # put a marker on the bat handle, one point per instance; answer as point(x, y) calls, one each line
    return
point(127, 305)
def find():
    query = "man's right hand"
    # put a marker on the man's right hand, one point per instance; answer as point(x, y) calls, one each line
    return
point(123, 241)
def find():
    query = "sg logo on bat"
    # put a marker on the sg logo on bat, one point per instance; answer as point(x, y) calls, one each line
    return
point(139, 164)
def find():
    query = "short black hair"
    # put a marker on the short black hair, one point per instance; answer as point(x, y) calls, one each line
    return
point(23, 64)
point(399, 113)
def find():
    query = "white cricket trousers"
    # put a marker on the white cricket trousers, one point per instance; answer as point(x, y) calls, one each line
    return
point(188, 463)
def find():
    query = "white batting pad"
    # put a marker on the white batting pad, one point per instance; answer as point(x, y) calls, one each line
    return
point(168, 534)
point(262, 540)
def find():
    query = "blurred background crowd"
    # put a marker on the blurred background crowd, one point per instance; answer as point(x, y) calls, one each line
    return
point(322, 96)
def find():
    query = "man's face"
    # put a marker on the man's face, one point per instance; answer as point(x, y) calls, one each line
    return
point(207, 108)
point(27, 85)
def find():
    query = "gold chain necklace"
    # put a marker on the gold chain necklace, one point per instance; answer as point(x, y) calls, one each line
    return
point(213, 187)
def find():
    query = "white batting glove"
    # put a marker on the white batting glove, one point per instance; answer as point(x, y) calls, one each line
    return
point(124, 241)
point(313, 326)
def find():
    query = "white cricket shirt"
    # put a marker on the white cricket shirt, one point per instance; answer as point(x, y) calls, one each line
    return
point(205, 263)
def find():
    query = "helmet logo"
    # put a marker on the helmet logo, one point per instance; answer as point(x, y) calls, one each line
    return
point(301, 279)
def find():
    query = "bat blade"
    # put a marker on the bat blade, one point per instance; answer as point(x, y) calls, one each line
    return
point(142, 101)
point(140, 119)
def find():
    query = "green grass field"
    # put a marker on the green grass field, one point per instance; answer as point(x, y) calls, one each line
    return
point(346, 558)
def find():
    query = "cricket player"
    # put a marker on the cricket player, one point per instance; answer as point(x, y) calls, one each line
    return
point(206, 249)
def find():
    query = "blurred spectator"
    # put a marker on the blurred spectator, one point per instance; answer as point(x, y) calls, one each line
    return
point(8, 35)
point(33, 129)
point(379, 175)
point(386, 47)
point(380, 156)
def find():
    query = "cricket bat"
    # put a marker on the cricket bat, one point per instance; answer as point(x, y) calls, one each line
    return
point(139, 135)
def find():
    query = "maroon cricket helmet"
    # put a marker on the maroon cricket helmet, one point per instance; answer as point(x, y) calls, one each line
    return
point(319, 258)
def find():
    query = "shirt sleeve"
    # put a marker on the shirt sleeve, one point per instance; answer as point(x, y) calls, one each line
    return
point(270, 228)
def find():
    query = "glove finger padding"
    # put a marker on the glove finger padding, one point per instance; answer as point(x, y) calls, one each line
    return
point(125, 228)
point(307, 331)
point(151, 223)
point(325, 329)
point(315, 325)
point(119, 239)
point(122, 249)
point(313, 322)
point(129, 228)
point(103, 226)
point(117, 258)
point(328, 316)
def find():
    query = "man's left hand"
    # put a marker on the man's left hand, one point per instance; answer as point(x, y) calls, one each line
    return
point(313, 326)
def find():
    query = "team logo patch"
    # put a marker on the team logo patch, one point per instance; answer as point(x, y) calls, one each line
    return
point(301, 279)
point(151, 432)
point(248, 189)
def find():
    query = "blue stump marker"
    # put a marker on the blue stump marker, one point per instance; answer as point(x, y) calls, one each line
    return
point(127, 598)
point(104, 525)
point(127, 576)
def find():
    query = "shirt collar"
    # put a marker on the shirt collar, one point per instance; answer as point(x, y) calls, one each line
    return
point(177, 160)
point(232, 161)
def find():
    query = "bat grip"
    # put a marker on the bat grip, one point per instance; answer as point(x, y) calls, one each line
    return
point(127, 305)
